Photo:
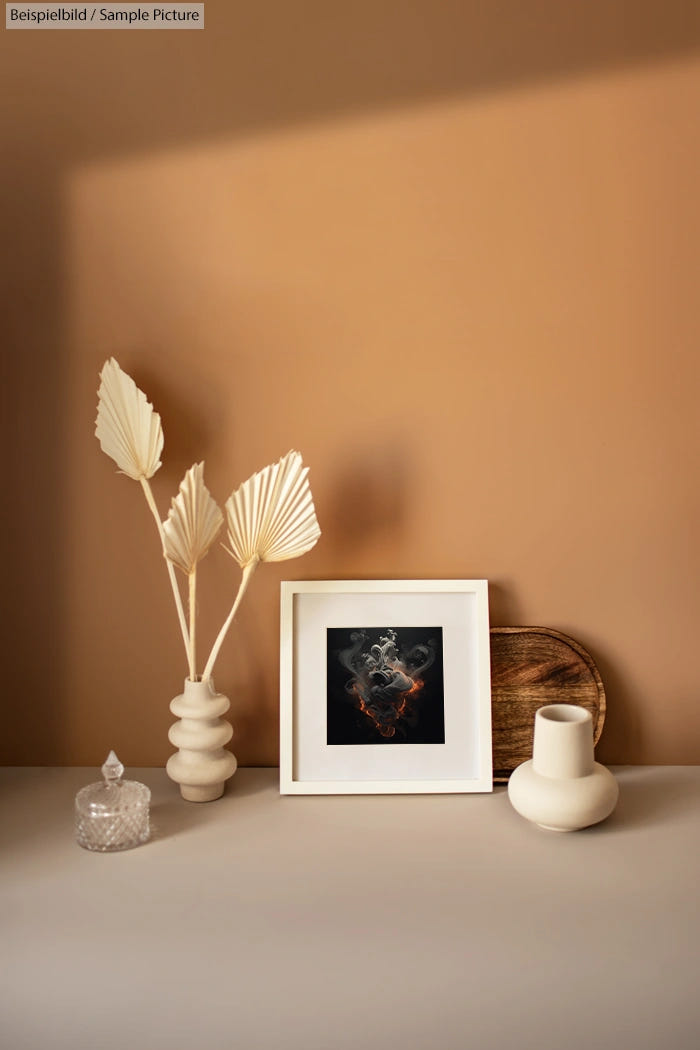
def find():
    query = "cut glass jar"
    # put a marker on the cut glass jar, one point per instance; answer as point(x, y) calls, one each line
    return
point(112, 815)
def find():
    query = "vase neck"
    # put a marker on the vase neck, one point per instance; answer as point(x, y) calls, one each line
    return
point(563, 742)
point(199, 688)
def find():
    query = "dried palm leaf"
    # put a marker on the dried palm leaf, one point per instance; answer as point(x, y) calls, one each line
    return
point(127, 428)
point(193, 522)
point(188, 533)
point(271, 517)
point(129, 431)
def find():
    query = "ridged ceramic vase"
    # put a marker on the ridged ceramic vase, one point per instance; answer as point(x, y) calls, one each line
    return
point(202, 765)
point(562, 788)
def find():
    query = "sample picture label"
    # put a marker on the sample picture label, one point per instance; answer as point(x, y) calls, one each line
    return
point(385, 685)
point(104, 16)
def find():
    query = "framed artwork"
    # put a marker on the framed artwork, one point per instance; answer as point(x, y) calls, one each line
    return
point(385, 687)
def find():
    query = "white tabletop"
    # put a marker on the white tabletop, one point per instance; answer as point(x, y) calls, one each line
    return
point(347, 922)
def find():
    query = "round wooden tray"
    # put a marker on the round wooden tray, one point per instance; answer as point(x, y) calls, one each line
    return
point(531, 667)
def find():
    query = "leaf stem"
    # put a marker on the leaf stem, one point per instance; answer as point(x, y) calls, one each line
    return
point(192, 600)
point(148, 493)
point(248, 571)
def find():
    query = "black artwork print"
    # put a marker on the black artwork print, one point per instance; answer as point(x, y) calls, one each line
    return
point(385, 686)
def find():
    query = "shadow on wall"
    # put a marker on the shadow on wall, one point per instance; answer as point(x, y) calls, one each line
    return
point(505, 606)
point(191, 441)
point(272, 63)
point(81, 96)
point(622, 722)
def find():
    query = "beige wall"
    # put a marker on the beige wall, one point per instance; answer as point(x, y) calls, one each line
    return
point(449, 255)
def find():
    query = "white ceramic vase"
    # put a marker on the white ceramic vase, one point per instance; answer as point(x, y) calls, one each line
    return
point(202, 765)
point(562, 788)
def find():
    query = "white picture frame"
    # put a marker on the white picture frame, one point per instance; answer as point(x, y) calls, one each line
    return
point(349, 722)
